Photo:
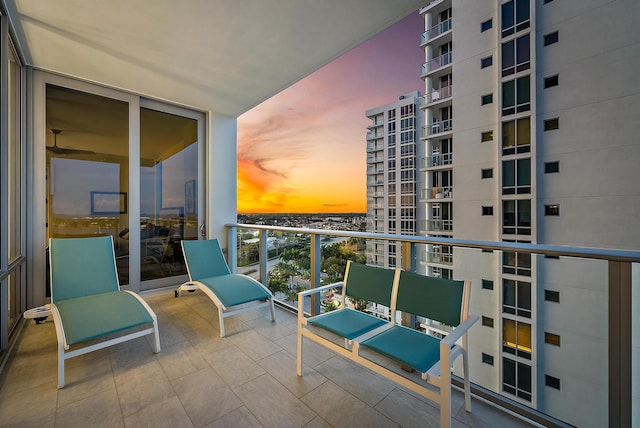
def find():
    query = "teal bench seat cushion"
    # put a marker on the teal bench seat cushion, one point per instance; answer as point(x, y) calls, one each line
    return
point(347, 323)
point(235, 289)
point(90, 317)
point(410, 347)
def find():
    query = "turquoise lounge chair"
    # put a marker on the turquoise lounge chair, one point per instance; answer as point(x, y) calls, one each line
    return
point(86, 300)
point(209, 272)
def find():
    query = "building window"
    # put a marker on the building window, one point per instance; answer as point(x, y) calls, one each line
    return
point(553, 209)
point(550, 81)
point(515, 16)
point(551, 124)
point(551, 167)
point(516, 95)
point(486, 62)
point(487, 359)
point(516, 338)
point(516, 378)
point(516, 55)
point(551, 381)
point(487, 284)
point(486, 136)
point(551, 339)
point(516, 297)
point(516, 136)
point(487, 173)
point(516, 176)
point(515, 263)
point(487, 322)
point(552, 296)
point(487, 210)
point(551, 38)
point(486, 99)
point(486, 25)
point(516, 217)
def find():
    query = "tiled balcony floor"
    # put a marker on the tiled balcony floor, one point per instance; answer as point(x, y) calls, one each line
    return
point(246, 379)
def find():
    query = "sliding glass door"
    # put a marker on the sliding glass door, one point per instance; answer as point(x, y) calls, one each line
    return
point(128, 168)
point(168, 191)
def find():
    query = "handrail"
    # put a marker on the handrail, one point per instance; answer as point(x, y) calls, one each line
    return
point(547, 250)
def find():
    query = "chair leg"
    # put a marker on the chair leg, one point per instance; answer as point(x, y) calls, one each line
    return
point(273, 314)
point(156, 337)
point(445, 390)
point(467, 386)
point(60, 365)
point(299, 358)
point(221, 320)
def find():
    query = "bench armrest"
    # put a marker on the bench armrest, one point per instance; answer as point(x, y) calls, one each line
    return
point(460, 330)
point(313, 291)
point(319, 289)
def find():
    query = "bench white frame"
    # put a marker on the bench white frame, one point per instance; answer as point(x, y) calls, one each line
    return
point(452, 346)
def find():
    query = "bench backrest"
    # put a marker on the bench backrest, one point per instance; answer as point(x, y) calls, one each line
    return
point(82, 267)
point(371, 283)
point(439, 299)
point(204, 259)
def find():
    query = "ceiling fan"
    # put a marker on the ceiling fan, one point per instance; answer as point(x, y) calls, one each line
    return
point(64, 151)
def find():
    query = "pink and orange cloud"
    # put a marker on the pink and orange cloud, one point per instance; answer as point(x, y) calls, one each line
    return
point(304, 150)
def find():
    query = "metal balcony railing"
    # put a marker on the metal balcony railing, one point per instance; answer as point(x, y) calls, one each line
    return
point(437, 127)
point(438, 225)
point(441, 192)
point(437, 160)
point(438, 94)
point(437, 62)
point(595, 289)
point(435, 31)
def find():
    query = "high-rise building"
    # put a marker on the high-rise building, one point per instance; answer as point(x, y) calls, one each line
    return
point(530, 135)
point(393, 179)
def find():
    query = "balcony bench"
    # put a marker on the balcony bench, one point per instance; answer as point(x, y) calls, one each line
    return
point(367, 337)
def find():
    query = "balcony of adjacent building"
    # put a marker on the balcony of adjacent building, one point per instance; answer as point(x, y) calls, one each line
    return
point(376, 146)
point(438, 255)
point(376, 123)
point(375, 181)
point(435, 161)
point(374, 159)
point(374, 135)
point(249, 377)
point(437, 63)
point(438, 95)
point(439, 127)
point(437, 33)
point(374, 169)
point(436, 194)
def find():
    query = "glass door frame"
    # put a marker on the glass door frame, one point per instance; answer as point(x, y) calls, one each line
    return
point(36, 223)
point(200, 118)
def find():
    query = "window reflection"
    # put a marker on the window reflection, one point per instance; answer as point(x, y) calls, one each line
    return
point(87, 149)
point(168, 191)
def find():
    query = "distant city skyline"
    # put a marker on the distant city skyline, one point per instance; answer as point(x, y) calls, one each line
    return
point(304, 149)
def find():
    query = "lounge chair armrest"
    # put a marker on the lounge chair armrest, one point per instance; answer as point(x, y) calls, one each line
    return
point(460, 330)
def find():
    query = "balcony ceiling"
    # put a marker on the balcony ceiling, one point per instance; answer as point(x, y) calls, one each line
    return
point(223, 56)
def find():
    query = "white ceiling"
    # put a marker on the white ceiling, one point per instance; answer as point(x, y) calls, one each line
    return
point(224, 56)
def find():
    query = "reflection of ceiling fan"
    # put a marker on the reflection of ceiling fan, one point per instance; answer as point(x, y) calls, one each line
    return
point(62, 151)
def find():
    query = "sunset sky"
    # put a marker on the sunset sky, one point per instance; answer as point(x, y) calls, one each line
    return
point(304, 150)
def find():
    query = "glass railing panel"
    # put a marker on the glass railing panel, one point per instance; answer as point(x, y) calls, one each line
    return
point(543, 339)
point(543, 336)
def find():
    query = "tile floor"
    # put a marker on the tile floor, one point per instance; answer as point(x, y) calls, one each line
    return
point(246, 379)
